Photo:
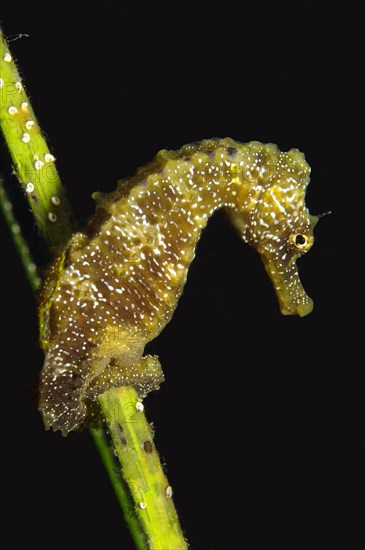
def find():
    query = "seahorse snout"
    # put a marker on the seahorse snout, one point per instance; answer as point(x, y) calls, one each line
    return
point(293, 299)
point(302, 309)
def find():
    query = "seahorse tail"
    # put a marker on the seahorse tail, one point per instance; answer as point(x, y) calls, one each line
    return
point(61, 403)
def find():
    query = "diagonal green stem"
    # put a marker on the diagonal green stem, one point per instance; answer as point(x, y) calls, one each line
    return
point(147, 504)
point(6, 209)
point(142, 470)
point(120, 488)
point(33, 162)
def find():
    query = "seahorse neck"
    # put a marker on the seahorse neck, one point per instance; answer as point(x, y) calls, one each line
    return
point(187, 191)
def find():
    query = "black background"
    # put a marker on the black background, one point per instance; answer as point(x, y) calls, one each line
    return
point(260, 419)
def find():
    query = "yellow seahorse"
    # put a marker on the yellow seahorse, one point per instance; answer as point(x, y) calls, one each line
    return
point(115, 286)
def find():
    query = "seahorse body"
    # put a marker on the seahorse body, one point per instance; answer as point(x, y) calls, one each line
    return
point(116, 286)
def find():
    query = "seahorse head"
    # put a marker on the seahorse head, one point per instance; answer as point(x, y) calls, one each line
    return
point(280, 228)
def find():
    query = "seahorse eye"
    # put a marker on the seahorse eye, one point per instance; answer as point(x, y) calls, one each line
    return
point(301, 240)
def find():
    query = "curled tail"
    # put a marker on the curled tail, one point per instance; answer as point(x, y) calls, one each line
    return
point(60, 402)
point(70, 385)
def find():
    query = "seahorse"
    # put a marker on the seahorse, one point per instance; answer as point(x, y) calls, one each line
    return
point(116, 285)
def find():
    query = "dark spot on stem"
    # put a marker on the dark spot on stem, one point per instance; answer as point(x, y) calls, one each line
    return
point(120, 433)
point(147, 446)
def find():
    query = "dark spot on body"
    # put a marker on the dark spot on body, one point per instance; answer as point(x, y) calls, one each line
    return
point(147, 446)
point(210, 153)
point(232, 151)
point(66, 261)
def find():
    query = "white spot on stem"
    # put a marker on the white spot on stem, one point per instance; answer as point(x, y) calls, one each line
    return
point(56, 201)
point(168, 491)
point(12, 110)
point(52, 217)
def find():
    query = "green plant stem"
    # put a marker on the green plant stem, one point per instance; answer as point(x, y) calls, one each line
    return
point(133, 441)
point(120, 488)
point(33, 163)
point(21, 246)
point(153, 520)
